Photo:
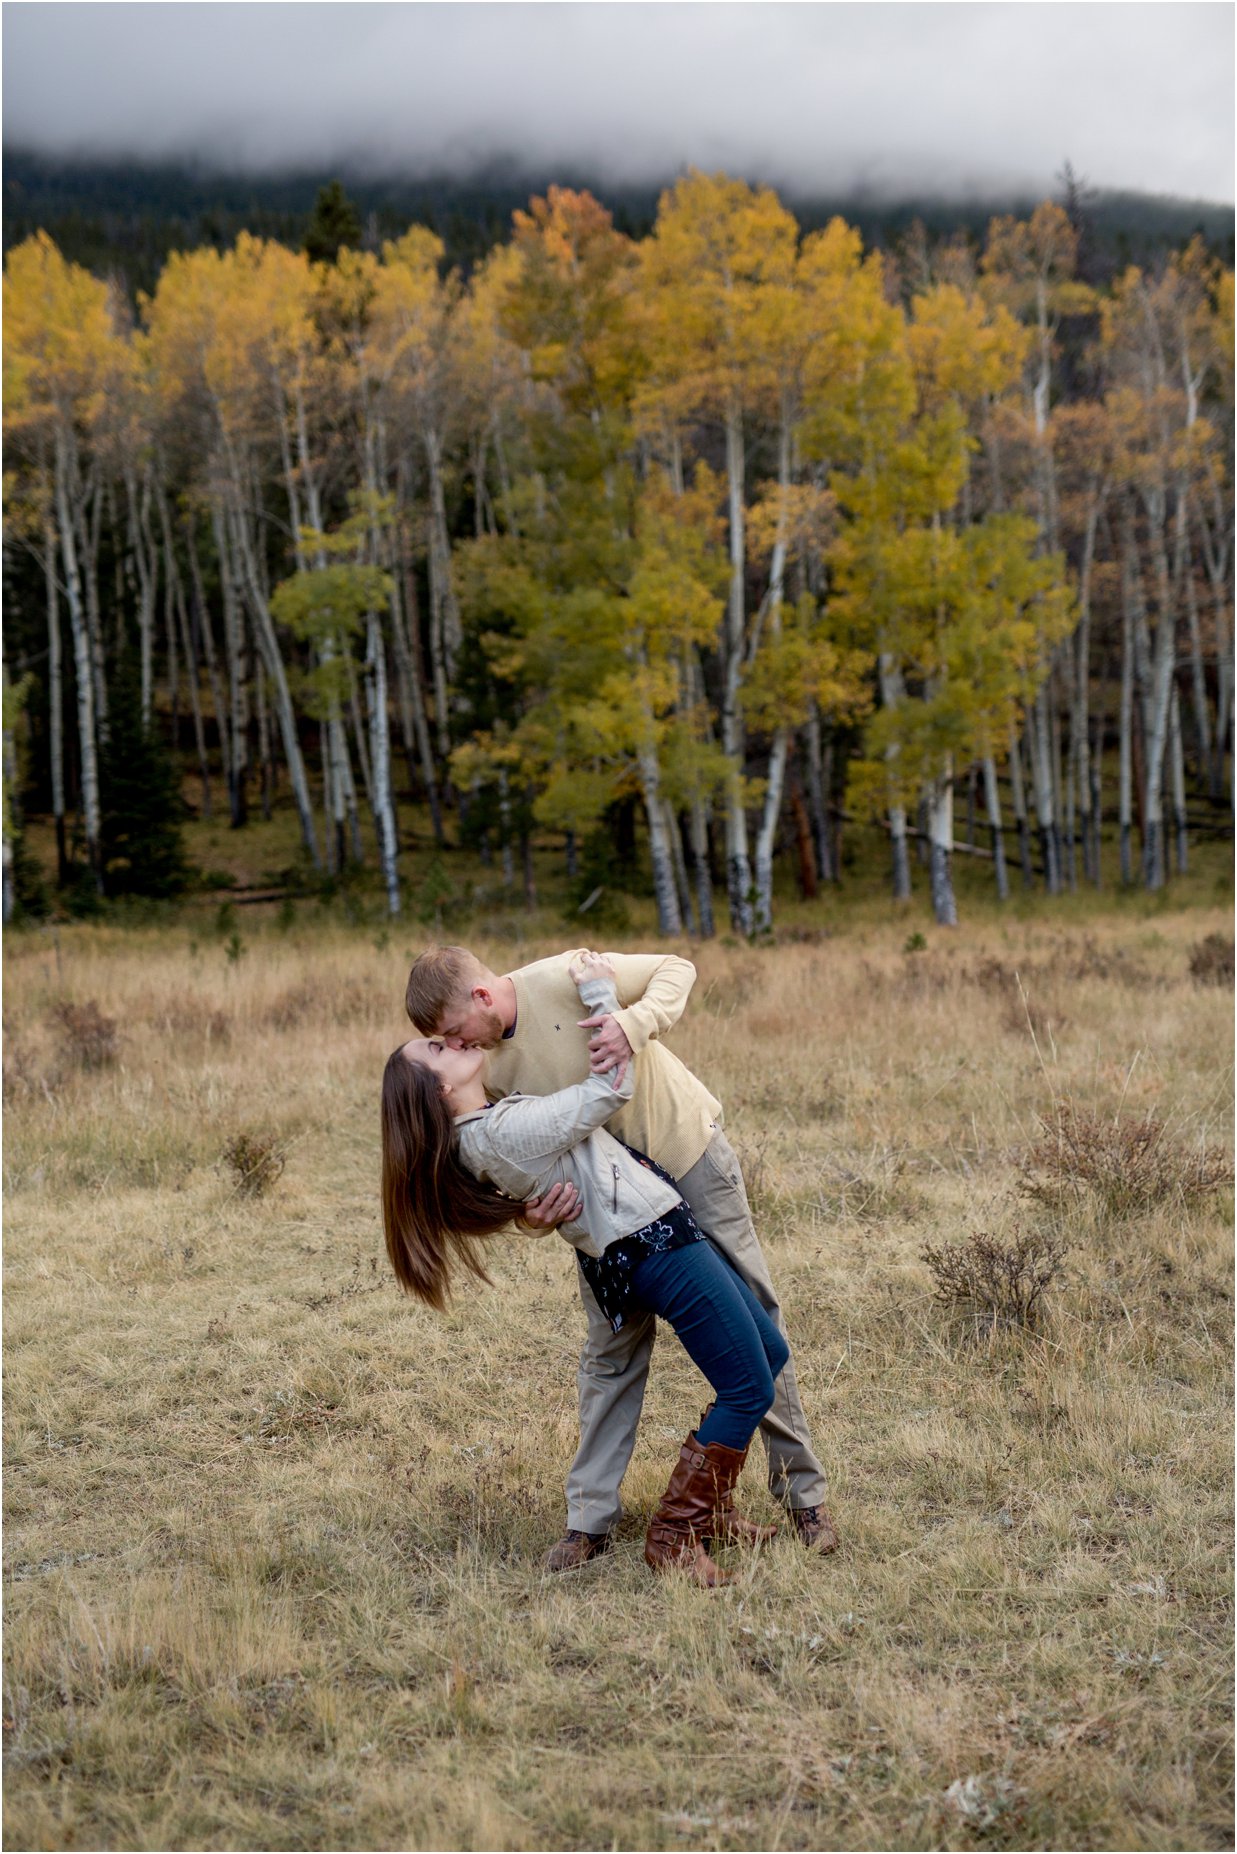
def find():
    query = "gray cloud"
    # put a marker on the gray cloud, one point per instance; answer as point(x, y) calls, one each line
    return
point(979, 98)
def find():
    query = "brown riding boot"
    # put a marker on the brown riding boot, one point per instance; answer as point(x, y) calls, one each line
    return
point(685, 1514)
point(730, 1527)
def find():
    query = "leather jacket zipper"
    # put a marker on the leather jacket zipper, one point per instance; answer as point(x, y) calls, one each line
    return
point(614, 1205)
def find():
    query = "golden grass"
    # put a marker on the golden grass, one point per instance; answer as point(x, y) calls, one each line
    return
point(274, 1534)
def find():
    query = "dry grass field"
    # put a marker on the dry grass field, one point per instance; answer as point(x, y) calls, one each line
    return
point(272, 1557)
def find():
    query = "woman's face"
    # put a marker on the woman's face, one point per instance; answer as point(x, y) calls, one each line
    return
point(453, 1067)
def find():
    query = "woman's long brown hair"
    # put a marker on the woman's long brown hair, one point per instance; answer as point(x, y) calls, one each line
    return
point(433, 1209)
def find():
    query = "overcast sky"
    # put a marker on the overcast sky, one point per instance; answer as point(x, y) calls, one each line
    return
point(813, 97)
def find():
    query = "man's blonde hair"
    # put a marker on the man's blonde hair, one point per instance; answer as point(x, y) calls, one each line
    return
point(443, 976)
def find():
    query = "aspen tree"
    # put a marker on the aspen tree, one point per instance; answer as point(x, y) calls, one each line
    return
point(716, 248)
point(1028, 267)
point(206, 354)
point(416, 316)
point(58, 342)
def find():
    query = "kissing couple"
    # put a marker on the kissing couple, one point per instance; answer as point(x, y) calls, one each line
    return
point(509, 1106)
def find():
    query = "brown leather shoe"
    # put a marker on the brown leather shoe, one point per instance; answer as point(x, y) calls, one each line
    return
point(703, 1478)
point(814, 1528)
point(576, 1548)
point(730, 1527)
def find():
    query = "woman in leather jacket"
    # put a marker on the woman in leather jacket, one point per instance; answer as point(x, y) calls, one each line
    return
point(457, 1169)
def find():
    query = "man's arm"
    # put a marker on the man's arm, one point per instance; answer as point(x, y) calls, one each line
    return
point(652, 991)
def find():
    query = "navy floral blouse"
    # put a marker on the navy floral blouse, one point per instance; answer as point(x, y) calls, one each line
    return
point(610, 1275)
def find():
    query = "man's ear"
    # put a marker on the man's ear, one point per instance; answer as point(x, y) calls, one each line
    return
point(483, 996)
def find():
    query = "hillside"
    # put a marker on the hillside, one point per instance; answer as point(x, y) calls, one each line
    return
point(125, 216)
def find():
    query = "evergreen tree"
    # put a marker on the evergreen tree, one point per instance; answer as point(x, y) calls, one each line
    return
point(333, 224)
point(142, 852)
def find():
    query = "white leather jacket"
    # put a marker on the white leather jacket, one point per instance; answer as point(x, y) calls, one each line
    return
point(528, 1142)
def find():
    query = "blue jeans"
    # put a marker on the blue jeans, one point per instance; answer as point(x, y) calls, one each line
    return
point(724, 1330)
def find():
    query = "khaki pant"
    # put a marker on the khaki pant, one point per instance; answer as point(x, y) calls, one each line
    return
point(614, 1366)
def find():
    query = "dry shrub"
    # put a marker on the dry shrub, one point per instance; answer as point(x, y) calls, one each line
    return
point(1096, 962)
point(1127, 1165)
point(255, 1160)
point(922, 977)
point(20, 1073)
point(196, 1018)
point(1001, 1283)
point(1024, 1013)
point(1211, 961)
point(994, 975)
point(315, 1005)
point(88, 1039)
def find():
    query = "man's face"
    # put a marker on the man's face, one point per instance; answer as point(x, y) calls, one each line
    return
point(471, 1022)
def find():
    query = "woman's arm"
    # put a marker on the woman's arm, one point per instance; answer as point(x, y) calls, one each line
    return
point(531, 1131)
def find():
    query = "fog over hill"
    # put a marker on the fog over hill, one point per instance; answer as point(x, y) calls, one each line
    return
point(964, 101)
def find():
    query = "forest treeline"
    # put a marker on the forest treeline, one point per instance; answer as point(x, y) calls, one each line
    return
point(123, 218)
point(752, 528)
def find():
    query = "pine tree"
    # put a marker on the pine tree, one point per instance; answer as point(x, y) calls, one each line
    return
point(142, 809)
point(333, 223)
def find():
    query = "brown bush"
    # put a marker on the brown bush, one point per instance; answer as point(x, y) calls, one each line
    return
point(344, 1003)
point(194, 1018)
point(1127, 1165)
point(1000, 1283)
point(20, 1074)
point(256, 1161)
point(1096, 962)
point(1023, 1013)
point(1211, 962)
point(88, 1039)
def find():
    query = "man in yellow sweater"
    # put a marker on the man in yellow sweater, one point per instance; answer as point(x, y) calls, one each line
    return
point(529, 1022)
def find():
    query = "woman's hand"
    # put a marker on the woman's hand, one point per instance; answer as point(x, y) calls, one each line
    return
point(590, 965)
point(608, 1048)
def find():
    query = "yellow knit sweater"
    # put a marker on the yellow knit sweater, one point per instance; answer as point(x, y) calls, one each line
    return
point(672, 1115)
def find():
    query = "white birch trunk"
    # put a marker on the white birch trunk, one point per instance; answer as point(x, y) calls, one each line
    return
point(1176, 767)
point(55, 697)
point(1217, 552)
point(1125, 748)
point(738, 863)
point(266, 760)
point(380, 760)
point(200, 618)
point(692, 686)
point(268, 644)
point(178, 616)
point(891, 694)
point(992, 800)
point(669, 919)
point(446, 633)
point(88, 536)
point(776, 781)
point(1198, 680)
point(1019, 799)
point(1160, 692)
point(362, 752)
point(940, 797)
point(233, 649)
point(82, 663)
point(1081, 687)
point(144, 563)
